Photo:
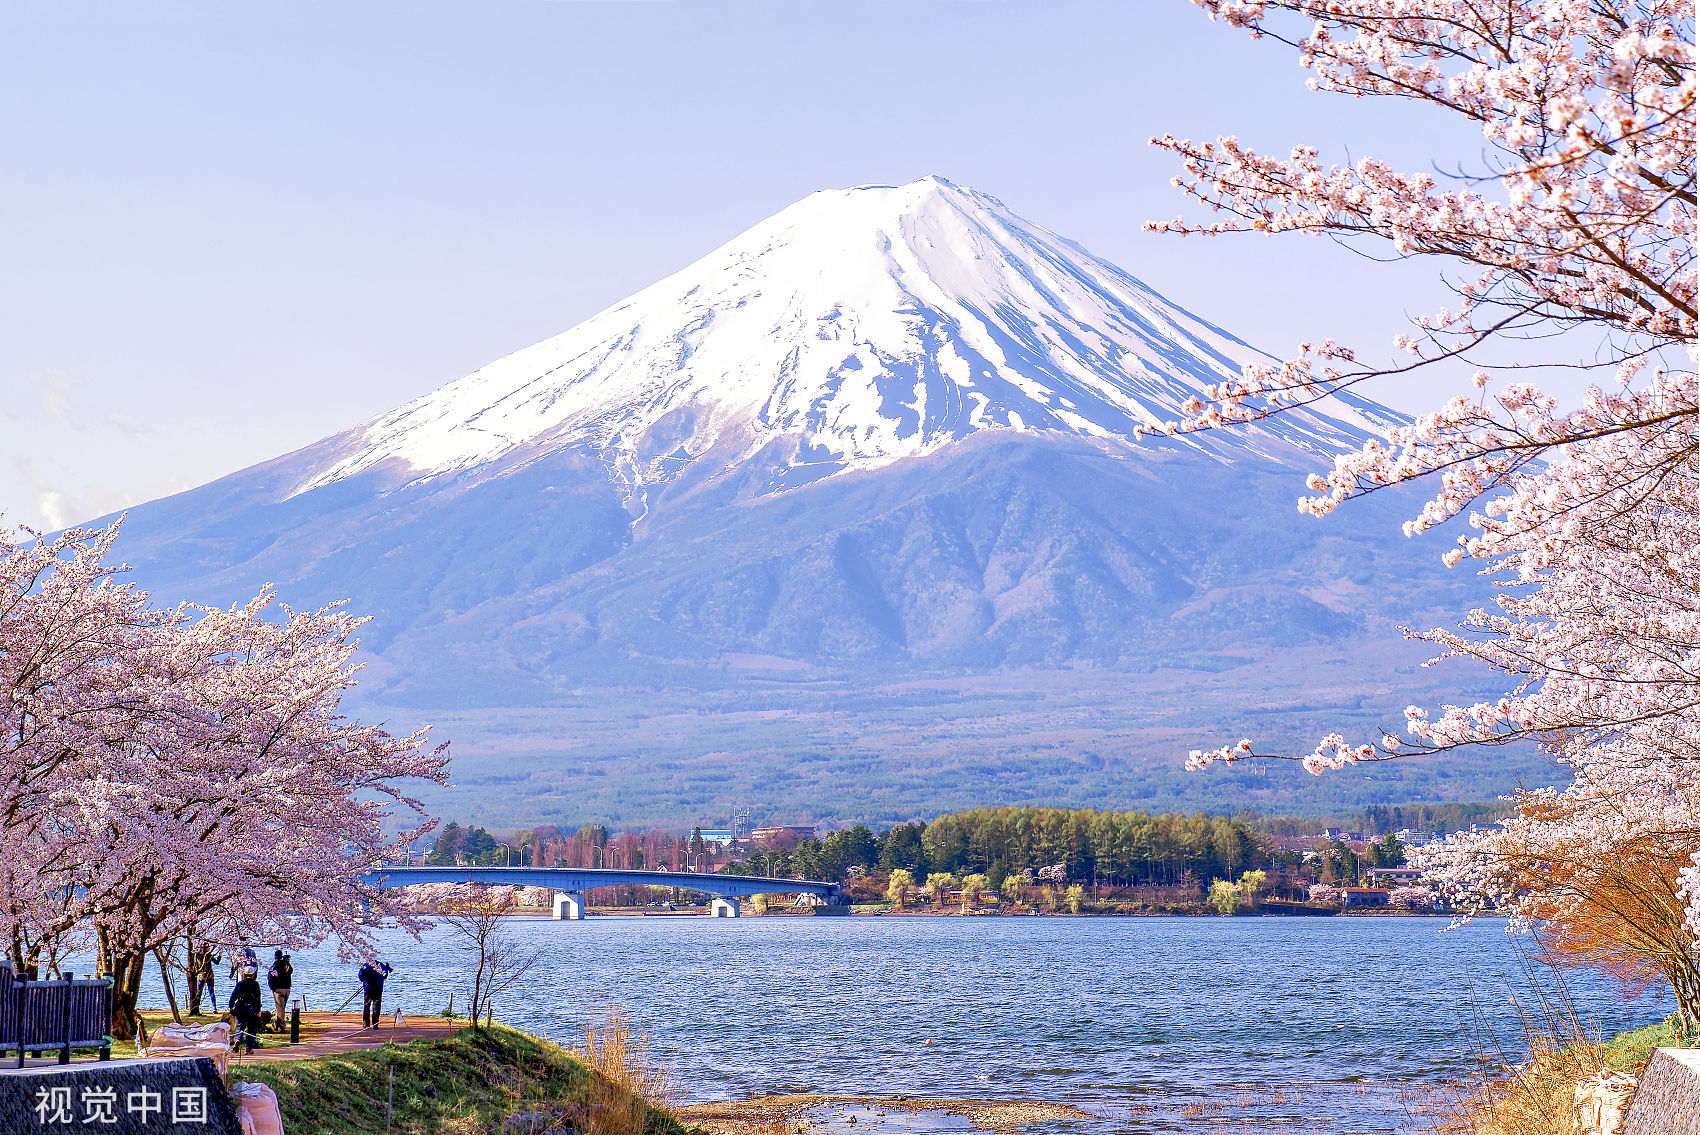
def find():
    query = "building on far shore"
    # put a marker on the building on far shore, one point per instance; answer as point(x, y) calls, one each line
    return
point(1363, 896)
point(781, 833)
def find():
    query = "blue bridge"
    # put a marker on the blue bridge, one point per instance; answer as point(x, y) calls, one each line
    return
point(570, 883)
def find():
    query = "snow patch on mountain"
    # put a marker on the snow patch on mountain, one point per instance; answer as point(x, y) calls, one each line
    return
point(864, 325)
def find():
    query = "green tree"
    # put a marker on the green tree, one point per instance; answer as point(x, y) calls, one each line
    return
point(973, 885)
point(808, 860)
point(939, 884)
point(479, 846)
point(1224, 896)
point(1252, 885)
point(1388, 852)
point(901, 846)
point(442, 853)
point(1336, 863)
point(1014, 886)
point(1076, 895)
point(945, 843)
point(850, 847)
point(898, 886)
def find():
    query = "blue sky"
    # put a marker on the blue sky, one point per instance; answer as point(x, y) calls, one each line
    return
point(233, 229)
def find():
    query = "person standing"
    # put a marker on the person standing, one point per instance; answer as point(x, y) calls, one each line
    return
point(372, 976)
point(203, 963)
point(243, 958)
point(245, 1008)
point(279, 977)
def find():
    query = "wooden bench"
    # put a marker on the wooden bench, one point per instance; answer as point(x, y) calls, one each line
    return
point(41, 1016)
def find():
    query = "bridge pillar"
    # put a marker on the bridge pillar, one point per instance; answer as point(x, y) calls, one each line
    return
point(723, 907)
point(569, 906)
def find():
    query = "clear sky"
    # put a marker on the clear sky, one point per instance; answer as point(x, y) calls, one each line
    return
point(232, 229)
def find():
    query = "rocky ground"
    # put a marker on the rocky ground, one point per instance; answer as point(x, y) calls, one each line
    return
point(798, 1113)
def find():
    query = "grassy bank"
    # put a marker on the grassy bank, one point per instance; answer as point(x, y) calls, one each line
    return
point(469, 1084)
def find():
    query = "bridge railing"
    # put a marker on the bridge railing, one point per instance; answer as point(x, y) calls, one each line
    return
point(580, 878)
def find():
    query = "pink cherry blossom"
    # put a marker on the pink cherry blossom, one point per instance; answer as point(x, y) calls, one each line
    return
point(185, 772)
point(1578, 232)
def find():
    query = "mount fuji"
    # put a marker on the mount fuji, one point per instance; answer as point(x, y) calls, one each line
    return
point(854, 516)
point(856, 328)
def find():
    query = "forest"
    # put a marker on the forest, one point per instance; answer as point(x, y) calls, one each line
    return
point(1108, 847)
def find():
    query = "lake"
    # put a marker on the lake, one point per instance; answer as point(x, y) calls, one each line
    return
point(1155, 1024)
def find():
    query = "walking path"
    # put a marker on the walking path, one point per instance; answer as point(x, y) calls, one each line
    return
point(324, 1034)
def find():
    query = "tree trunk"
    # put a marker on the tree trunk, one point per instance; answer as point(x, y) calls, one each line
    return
point(126, 990)
point(478, 975)
point(192, 973)
point(25, 955)
point(165, 979)
point(1687, 989)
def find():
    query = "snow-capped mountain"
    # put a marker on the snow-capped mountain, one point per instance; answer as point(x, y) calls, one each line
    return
point(876, 453)
point(859, 326)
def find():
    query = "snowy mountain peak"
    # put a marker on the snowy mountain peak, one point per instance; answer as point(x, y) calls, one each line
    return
point(856, 327)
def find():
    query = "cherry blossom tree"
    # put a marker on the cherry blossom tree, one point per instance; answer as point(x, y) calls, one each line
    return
point(264, 803)
point(69, 637)
point(1595, 872)
point(1605, 646)
point(1587, 107)
point(1582, 222)
point(188, 771)
point(1412, 898)
point(1573, 248)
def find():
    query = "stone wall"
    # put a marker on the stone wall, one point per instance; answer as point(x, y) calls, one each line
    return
point(117, 1097)
point(1668, 1100)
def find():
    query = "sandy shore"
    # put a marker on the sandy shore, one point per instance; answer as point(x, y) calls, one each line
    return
point(771, 1114)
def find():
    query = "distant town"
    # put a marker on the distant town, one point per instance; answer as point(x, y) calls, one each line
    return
point(1015, 859)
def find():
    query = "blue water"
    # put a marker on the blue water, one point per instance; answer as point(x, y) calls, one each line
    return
point(1149, 1022)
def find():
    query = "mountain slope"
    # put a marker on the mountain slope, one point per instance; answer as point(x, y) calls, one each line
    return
point(890, 435)
point(861, 326)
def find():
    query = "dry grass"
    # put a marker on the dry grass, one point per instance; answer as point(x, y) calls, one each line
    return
point(1537, 1096)
point(1539, 1099)
point(630, 1084)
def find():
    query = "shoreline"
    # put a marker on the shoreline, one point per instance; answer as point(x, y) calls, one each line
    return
point(1321, 912)
point(799, 1111)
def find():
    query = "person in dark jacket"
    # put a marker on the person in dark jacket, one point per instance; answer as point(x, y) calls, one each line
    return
point(279, 977)
point(201, 963)
point(372, 976)
point(245, 1008)
point(243, 957)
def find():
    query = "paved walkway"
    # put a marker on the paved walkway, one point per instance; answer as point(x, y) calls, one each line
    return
point(323, 1034)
